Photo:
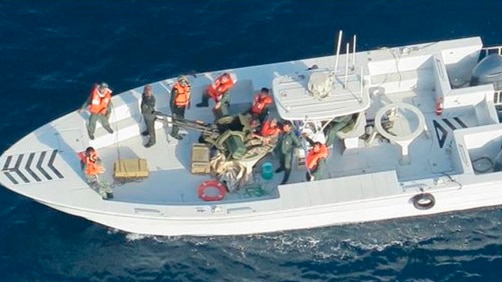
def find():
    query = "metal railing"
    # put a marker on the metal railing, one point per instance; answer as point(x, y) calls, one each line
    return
point(492, 50)
point(497, 98)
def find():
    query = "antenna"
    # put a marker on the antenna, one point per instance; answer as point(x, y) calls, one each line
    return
point(338, 49)
point(362, 84)
point(354, 53)
point(347, 54)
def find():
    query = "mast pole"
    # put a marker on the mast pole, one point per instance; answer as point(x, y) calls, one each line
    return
point(354, 53)
point(338, 50)
point(347, 55)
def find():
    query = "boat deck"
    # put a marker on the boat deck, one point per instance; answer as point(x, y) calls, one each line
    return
point(170, 180)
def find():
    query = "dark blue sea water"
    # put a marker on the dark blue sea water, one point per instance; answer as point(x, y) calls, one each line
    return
point(52, 51)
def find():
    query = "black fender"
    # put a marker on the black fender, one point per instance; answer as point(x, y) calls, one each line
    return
point(423, 201)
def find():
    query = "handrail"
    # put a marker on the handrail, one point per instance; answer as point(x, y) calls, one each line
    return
point(497, 97)
point(490, 50)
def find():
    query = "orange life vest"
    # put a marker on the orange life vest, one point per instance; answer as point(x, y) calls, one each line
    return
point(218, 88)
point(182, 94)
point(268, 131)
point(92, 167)
point(313, 158)
point(99, 105)
point(261, 101)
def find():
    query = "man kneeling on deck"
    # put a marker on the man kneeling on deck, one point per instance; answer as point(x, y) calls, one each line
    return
point(91, 164)
point(316, 160)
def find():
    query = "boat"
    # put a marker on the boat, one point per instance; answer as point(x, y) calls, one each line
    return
point(423, 137)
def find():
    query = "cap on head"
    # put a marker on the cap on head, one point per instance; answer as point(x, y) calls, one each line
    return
point(182, 79)
point(102, 89)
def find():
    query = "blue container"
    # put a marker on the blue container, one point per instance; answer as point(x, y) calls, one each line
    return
point(267, 171)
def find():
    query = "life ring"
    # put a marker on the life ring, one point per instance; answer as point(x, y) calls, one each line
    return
point(222, 190)
point(423, 201)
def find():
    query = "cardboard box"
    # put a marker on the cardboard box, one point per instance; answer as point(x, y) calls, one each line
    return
point(130, 168)
point(200, 159)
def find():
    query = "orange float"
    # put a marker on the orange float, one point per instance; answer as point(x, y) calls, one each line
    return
point(210, 184)
point(439, 107)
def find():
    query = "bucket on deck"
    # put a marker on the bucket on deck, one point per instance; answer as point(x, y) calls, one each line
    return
point(267, 171)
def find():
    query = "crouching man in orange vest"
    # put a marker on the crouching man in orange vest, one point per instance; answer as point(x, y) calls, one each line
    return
point(261, 101)
point(92, 167)
point(91, 164)
point(99, 106)
point(219, 91)
point(316, 160)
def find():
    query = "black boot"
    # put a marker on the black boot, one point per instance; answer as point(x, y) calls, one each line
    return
point(287, 172)
point(109, 129)
point(145, 133)
point(177, 136)
point(204, 103)
point(149, 144)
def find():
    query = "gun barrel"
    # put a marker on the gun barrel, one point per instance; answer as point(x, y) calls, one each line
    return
point(185, 123)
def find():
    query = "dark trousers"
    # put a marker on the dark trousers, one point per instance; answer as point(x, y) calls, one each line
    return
point(91, 126)
point(224, 110)
point(261, 116)
point(150, 126)
point(178, 112)
point(286, 164)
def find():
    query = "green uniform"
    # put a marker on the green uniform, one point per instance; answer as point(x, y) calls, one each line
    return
point(318, 173)
point(225, 104)
point(148, 111)
point(334, 126)
point(287, 148)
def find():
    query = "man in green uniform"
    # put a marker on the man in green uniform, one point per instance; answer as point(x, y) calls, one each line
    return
point(287, 148)
point(148, 111)
point(334, 126)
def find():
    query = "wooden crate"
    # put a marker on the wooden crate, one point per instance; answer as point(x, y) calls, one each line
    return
point(200, 159)
point(130, 168)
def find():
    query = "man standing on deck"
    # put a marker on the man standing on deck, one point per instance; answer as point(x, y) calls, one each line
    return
point(179, 102)
point(288, 144)
point(99, 103)
point(148, 111)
